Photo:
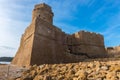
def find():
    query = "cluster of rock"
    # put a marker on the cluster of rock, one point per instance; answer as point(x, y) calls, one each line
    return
point(94, 70)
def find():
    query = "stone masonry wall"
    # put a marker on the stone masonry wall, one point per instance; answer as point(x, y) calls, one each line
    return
point(47, 43)
point(88, 43)
point(23, 55)
point(113, 51)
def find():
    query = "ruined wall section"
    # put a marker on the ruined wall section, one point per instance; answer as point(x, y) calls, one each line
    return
point(113, 51)
point(23, 55)
point(88, 43)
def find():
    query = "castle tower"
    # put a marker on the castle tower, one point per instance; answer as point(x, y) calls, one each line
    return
point(44, 12)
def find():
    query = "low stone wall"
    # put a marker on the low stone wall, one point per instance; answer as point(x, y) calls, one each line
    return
point(113, 51)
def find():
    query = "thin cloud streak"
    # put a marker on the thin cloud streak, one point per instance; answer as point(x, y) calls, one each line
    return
point(11, 28)
point(7, 47)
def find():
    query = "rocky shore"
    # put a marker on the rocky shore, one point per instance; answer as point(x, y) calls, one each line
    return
point(89, 70)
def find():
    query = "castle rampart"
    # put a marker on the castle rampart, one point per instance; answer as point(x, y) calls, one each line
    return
point(43, 42)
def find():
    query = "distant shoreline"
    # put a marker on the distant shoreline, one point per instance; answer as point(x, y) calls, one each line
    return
point(4, 62)
point(6, 59)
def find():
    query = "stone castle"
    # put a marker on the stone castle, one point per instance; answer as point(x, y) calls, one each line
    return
point(43, 42)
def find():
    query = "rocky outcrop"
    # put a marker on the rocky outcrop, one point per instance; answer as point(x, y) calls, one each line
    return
point(92, 70)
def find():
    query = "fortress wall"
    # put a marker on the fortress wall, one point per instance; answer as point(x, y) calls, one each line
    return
point(88, 43)
point(24, 52)
point(89, 38)
point(43, 50)
point(23, 55)
point(117, 48)
point(89, 50)
point(49, 30)
point(113, 51)
point(47, 46)
point(68, 40)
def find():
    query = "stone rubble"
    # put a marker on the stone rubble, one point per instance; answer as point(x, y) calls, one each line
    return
point(93, 70)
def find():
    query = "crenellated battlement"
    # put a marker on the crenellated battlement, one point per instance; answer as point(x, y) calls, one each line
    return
point(44, 12)
point(42, 5)
point(87, 32)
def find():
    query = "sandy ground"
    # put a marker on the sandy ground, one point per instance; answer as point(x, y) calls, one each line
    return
point(10, 71)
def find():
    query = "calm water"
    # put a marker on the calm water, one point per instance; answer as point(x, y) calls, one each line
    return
point(1, 62)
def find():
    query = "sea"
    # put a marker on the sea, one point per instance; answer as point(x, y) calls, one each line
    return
point(3, 62)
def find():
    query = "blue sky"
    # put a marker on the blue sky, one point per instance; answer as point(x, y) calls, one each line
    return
point(100, 16)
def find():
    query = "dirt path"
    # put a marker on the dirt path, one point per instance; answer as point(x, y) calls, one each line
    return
point(10, 71)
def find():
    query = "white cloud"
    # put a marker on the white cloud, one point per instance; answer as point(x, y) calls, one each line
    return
point(10, 28)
